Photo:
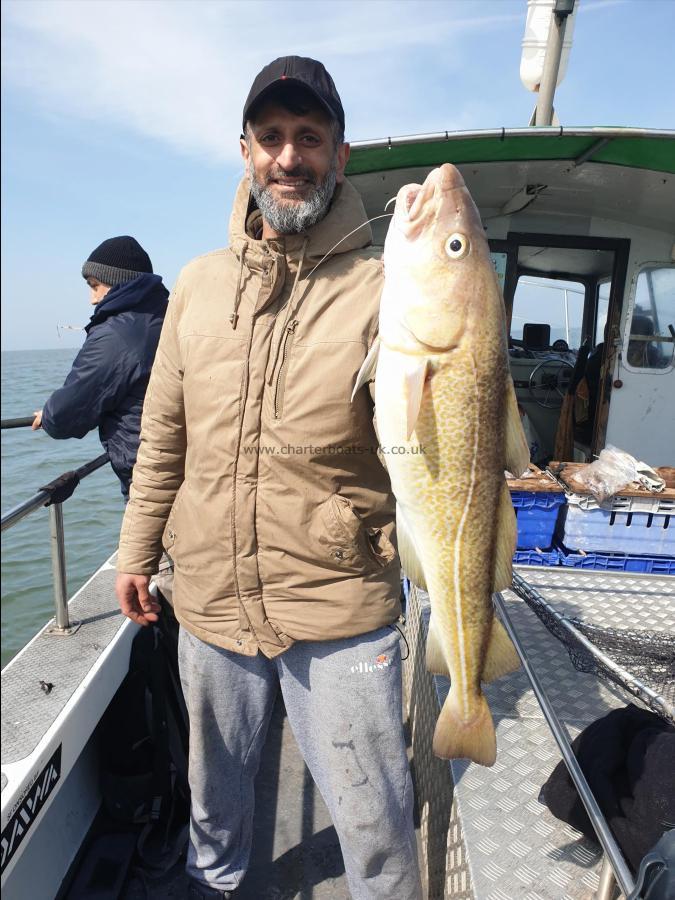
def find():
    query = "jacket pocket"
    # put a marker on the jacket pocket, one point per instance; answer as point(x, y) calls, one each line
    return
point(348, 543)
point(169, 536)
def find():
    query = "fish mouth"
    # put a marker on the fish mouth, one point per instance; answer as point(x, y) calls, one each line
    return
point(412, 199)
point(415, 199)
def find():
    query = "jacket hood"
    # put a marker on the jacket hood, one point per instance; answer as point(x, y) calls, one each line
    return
point(146, 291)
point(345, 214)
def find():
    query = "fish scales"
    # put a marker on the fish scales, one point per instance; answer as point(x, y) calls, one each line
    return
point(444, 399)
point(451, 491)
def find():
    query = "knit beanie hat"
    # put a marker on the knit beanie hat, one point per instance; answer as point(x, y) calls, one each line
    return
point(116, 261)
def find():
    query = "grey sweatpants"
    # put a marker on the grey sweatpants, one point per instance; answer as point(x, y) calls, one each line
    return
point(343, 701)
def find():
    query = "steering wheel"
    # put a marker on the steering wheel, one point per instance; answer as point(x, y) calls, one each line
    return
point(549, 382)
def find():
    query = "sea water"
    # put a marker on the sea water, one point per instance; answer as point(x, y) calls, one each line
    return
point(31, 459)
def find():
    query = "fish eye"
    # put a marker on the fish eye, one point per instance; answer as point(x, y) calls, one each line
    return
point(457, 246)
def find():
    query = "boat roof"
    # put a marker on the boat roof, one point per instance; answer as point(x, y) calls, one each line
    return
point(620, 174)
point(639, 148)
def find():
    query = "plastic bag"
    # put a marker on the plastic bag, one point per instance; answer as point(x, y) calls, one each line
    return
point(613, 471)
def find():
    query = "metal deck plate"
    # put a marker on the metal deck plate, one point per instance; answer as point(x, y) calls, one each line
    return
point(28, 710)
point(642, 602)
point(513, 846)
point(608, 598)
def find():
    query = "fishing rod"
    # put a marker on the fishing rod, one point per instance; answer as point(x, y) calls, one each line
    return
point(22, 422)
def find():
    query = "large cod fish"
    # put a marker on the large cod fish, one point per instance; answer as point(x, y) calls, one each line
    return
point(449, 426)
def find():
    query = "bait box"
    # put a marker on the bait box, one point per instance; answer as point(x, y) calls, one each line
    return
point(620, 562)
point(620, 530)
point(537, 515)
point(537, 557)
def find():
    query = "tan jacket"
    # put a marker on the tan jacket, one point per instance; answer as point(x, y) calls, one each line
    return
point(255, 471)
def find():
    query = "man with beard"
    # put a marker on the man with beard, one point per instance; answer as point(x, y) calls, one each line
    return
point(262, 481)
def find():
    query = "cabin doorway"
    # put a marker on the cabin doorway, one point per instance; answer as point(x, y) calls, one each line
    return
point(563, 299)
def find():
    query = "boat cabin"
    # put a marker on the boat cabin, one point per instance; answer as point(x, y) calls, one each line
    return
point(581, 226)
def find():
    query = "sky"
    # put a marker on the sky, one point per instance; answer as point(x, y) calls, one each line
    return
point(123, 116)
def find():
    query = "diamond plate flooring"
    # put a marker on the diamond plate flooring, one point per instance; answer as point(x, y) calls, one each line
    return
point(62, 662)
point(511, 845)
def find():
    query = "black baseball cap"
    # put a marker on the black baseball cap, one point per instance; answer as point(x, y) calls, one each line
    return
point(302, 71)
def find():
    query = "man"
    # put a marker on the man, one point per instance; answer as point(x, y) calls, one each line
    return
point(263, 482)
point(106, 385)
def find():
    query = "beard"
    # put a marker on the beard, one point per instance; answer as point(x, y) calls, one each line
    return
point(293, 214)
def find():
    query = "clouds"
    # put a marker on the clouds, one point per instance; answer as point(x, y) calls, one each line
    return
point(143, 66)
point(123, 117)
point(178, 71)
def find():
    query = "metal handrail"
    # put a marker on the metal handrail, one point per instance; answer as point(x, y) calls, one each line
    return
point(613, 854)
point(23, 509)
point(46, 497)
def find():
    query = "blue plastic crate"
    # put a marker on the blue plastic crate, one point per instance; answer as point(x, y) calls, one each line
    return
point(621, 562)
point(537, 514)
point(608, 531)
point(537, 557)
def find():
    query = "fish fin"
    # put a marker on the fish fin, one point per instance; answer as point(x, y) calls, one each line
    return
point(507, 538)
point(435, 658)
point(410, 562)
point(415, 376)
point(455, 738)
point(501, 657)
point(517, 452)
point(368, 367)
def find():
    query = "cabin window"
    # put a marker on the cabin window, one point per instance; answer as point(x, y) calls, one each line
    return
point(651, 340)
point(557, 303)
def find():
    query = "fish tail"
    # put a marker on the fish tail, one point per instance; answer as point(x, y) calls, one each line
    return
point(456, 737)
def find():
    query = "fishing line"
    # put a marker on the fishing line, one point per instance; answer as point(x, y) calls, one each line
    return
point(60, 328)
point(362, 225)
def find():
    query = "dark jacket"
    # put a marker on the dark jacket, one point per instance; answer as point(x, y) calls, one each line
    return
point(106, 385)
point(628, 758)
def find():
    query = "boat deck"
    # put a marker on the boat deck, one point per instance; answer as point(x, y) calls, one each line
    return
point(485, 834)
point(295, 855)
point(53, 693)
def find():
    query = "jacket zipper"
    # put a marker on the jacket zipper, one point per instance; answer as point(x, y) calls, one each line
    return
point(281, 377)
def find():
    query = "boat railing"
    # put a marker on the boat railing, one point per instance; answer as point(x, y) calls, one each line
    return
point(614, 867)
point(53, 495)
point(614, 870)
point(646, 651)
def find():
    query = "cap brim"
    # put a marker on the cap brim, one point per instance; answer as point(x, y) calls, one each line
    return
point(290, 80)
